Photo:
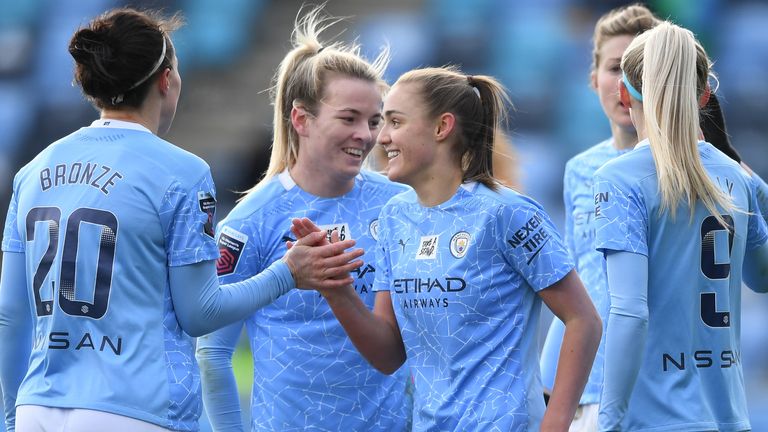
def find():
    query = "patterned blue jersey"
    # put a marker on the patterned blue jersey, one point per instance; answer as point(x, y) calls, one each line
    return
point(691, 375)
point(100, 215)
point(307, 373)
point(463, 277)
point(579, 237)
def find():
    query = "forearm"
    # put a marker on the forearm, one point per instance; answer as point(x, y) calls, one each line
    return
point(625, 341)
point(375, 337)
point(203, 306)
point(220, 394)
point(15, 332)
point(577, 353)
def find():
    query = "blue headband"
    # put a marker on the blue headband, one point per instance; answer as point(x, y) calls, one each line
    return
point(633, 91)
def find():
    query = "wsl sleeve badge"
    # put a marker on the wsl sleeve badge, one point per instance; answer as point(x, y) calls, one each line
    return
point(459, 244)
point(231, 245)
point(208, 206)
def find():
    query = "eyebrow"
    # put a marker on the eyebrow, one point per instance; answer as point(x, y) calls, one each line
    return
point(389, 113)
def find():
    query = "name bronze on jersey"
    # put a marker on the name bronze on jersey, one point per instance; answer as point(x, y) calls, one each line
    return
point(95, 175)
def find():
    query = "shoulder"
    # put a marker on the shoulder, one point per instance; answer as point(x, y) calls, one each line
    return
point(258, 203)
point(373, 182)
point(630, 168)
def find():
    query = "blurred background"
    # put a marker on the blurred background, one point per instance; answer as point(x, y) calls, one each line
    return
point(540, 50)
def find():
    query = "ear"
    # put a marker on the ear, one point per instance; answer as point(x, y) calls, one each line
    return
point(164, 82)
point(624, 96)
point(593, 79)
point(299, 119)
point(705, 97)
point(445, 124)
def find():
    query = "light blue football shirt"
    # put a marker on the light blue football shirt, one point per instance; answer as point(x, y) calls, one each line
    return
point(691, 375)
point(579, 237)
point(464, 277)
point(307, 373)
point(100, 215)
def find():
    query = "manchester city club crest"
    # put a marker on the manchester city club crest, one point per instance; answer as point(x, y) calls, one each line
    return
point(460, 244)
point(373, 229)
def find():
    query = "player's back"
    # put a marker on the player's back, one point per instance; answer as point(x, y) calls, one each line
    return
point(691, 376)
point(101, 214)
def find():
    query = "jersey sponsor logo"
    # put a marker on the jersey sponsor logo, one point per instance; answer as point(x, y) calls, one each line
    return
point(460, 244)
point(60, 340)
point(373, 229)
point(600, 197)
point(341, 228)
point(418, 285)
point(427, 248)
point(208, 206)
point(231, 244)
point(402, 244)
point(531, 237)
point(701, 359)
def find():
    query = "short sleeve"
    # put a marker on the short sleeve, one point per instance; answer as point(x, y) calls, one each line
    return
point(531, 244)
point(620, 219)
point(190, 216)
point(12, 240)
point(757, 233)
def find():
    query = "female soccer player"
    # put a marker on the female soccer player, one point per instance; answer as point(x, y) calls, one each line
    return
point(464, 264)
point(613, 33)
point(307, 374)
point(680, 228)
point(108, 253)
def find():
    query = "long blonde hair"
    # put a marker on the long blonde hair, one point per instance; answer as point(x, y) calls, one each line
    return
point(670, 68)
point(301, 78)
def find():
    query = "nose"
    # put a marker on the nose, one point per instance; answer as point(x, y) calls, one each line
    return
point(364, 134)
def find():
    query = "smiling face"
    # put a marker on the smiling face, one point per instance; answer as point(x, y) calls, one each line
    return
point(334, 141)
point(408, 136)
point(605, 80)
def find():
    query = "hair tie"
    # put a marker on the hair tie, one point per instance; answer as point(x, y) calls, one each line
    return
point(119, 98)
point(471, 80)
point(320, 50)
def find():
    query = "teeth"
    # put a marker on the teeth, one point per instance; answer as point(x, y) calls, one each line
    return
point(354, 152)
point(393, 153)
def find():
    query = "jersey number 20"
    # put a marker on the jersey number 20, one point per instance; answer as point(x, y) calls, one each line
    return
point(106, 254)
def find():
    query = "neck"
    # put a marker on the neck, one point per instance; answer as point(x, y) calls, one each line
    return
point(130, 116)
point(623, 138)
point(436, 189)
point(320, 184)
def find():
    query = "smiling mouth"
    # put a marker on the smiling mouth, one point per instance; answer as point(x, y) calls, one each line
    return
point(354, 152)
point(391, 154)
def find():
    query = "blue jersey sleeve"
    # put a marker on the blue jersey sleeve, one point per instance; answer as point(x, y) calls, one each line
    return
point(756, 234)
point(189, 213)
point(12, 241)
point(532, 245)
point(620, 218)
point(15, 332)
point(220, 395)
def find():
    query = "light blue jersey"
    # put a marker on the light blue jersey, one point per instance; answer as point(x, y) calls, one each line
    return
point(100, 215)
point(307, 373)
point(579, 237)
point(464, 277)
point(690, 377)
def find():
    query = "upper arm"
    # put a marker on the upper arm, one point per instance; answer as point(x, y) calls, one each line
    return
point(14, 299)
point(756, 268)
point(567, 298)
point(628, 283)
